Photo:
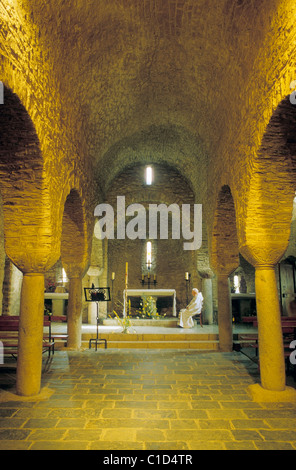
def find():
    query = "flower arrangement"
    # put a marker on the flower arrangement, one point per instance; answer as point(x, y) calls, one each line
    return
point(51, 285)
point(124, 322)
point(148, 308)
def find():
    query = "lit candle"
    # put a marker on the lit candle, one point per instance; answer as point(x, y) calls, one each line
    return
point(186, 276)
point(142, 277)
point(113, 276)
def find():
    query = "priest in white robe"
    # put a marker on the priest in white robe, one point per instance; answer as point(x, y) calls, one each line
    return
point(192, 309)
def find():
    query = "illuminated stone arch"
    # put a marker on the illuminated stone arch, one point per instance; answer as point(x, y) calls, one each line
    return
point(224, 241)
point(74, 237)
point(27, 230)
point(264, 230)
point(224, 256)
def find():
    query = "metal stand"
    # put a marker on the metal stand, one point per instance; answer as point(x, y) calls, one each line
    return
point(97, 294)
point(97, 339)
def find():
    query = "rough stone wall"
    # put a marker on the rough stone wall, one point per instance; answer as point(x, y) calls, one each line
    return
point(169, 260)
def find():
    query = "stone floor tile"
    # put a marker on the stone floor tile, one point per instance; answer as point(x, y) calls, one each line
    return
point(175, 445)
point(205, 445)
point(47, 434)
point(250, 424)
point(15, 445)
point(118, 445)
point(214, 424)
point(241, 445)
point(40, 423)
point(278, 435)
point(199, 434)
point(67, 423)
point(246, 435)
point(123, 435)
point(60, 445)
point(273, 445)
point(12, 422)
point(83, 434)
point(184, 424)
point(14, 434)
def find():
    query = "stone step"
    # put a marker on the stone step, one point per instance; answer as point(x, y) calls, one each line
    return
point(156, 341)
point(152, 337)
point(167, 322)
point(143, 344)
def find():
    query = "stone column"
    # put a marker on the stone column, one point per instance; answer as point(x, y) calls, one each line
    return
point(207, 292)
point(224, 313)
point(74, 313)
point(32, 260)
point(270, 337)
point(29, 361)
point(271, 351)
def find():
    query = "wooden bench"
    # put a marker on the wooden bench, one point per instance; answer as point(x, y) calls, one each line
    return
point(250, 319)
point(253, 319)
point(289, 334)
point(9, 327)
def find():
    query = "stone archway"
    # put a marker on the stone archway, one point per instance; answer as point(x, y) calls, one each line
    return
point(264, 233)
point(224, 257)
point(27, 231)
point(75, 259)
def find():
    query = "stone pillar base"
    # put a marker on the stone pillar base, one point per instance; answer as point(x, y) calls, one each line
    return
point(260, 394)
point(45, 394)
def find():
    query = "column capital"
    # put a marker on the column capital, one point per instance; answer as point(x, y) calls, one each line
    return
point(264, 267)
point(95, 271)
point(206, 273)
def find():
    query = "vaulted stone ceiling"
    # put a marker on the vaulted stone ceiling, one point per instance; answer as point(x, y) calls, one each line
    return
point(173, 81)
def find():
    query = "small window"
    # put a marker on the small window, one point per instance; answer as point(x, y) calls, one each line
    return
point(64, 276)
point(236, 284)
point(149, 175)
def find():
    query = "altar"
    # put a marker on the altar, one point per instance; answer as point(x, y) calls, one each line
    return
point(58, 302)
point(149, 293)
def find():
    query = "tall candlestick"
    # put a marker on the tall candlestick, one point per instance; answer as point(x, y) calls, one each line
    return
point(126, 283)
point(126, 275)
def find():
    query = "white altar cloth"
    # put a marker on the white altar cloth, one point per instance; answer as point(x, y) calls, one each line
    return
point(152, 293)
